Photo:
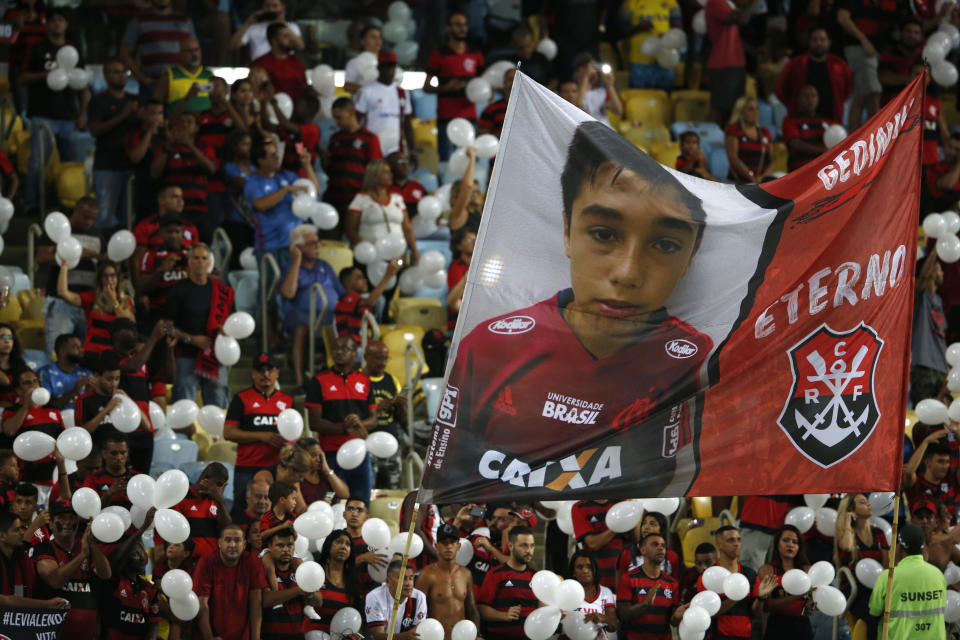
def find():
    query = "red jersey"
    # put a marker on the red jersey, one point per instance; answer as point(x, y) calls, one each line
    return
point(631, 560)
point(754, 153)
point(8, 493)
point(767, 513)
point(455, 272)
point(212, 131)
point(130, 609)
point(654, 622)
point(482, 559)
point(17, 574)
point(357, 548)
point(931, 130)
point(684, 164)
point(46, 421)
point(147, 233)
point(947, 491)
point(349, 154)
point(102, 481)
point(78, 589)
point(150, 263)
point(412, 193)
point(287, 75)
point(339, 395)
point(269, 520)
point(735, 623)
point(98, 337)
point(808, 130)
point(589, 517)
point(334, 599)
point(349, 316)
point(253, 412)
point(309, 136)
point(184, 170)
point(493, 116)
point(528, 370)
point(285, 621)
point(228, 590)
point(504, 588)
point(201, 513)
point(447, 64)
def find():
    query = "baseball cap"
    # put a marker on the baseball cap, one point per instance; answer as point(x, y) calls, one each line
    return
point(924, 504)
point(447, 532)
point(911, 538)
point(60, 507)
point(527, 515)
point(264, 361)
point(122, 323)
point(387, 56)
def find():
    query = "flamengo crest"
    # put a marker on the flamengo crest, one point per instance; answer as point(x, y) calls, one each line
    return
point(831, 409)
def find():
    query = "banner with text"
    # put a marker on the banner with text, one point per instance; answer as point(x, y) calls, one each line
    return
point(31, 624)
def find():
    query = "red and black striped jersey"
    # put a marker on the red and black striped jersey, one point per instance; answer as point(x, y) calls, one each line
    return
point(931, 129)
point(81, 589)
point(150, 263)
point(147, 233)
point(17, 574)
point(735, 623)
point(338, 395)
point(44, 420)
point(349, 154)
point(688, 165)
point(136, 385)
point(808, 130)
point(284, 621)
point(349, 316)
point(482, 560)
point(505, 587)
point(447, 64)
point(630, 559)
point(183, 169)
point(269, 520)
point(334, 599)
point(8, 491)
point(253, 412)
point(212, 131)
point(875, 19)
point(201, 514)
point(309, 137)
point(102, 481)
point(654, 622)
point(493, 116)
point(589, 517)
point(129, 609)
point(359, 547)
point(753, 152)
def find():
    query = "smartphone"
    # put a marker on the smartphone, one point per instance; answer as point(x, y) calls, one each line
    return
point(270, 16)
point(477, 512)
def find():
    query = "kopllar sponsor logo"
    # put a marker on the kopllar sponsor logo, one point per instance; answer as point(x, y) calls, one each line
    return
point(512, 325)
point(680, 348)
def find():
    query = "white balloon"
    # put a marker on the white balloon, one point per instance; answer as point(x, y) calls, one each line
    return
point(351, 453)
point(126, 416)
point(121, 245)
point(576, 628)
point(570, 595)
point(324, 216)
point(948, 249)
point(952, 221)
point(713, 578)
point(239, 325)
point(285, 102)
point(674, 38)
point(687, 633)
point(944, 73)
point(883, 525)
point(185, 609)
point(365, 252)
point(881, 501)
point(58, 79)
point(227, 350)
point(700, 22)
point(382, 444)
point(322, 507)
point(67, 57)
point(406, 51)
point(443, 193)
point(548, 48)
point(74, 443)
point(69, 420)
point(827, 521)
point(708, 600)
point(315, 525)
point(541, 623)
point(436, 280)
point(930, 411)
point(290, 424)
point(107, 527)
point(952, 32)
point(398, 544)
point(171, 525)
point(821, 573)
point(346, 620)
point(494, 73)
point(431, 261)
point(310, 576)
point(390, 247)
point(33, 445)
point(376, 533)
point(816, 500)
point(651, 46)
point(6, 210)
point(399, 11)
point(952, 612)
point(834, 134)
point(736, 586)
point(430, 629)
point(623, 516)
point(936, 49)
point(57, 226)
point(302, 205)
point(666, 506)
point(696, 618)
point(479, 90)
point(668, 58)
point(176, 583)
point(182, 413)
point(868, 570)
point(934, 225)
point(395, 31)
point(830, 600)
point(953, 354)
point(86, 502)
point(565, 522)
point(424, 227)
point(323, 79)
point(120, 512)
point(464, 630)
point(140, 490)
point(953, 380)
point(801, 517)
point(69, 248)
point(458, 162)
point(796, 582)
point(487, 145)
point(248, 259)
point(465, 552)
point(78, 79)
point(429, 207)
point(171, 487)
point(211, 418)
point(410, 281)
point(460, 132)
point(544, 585)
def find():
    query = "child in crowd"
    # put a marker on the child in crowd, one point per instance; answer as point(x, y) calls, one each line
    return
point(283, 500)
point(351, 307)
point(692, 160)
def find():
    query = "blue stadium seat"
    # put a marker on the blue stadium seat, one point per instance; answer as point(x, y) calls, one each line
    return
point(443, 246)
point(424, 104)
point(193, 469)
point(157, 468)
point(174, 452)
point(36, 358)
point(718, 163)
point(427, 292)
point(327, 128)
point(431, 391)
point(766, 114)
point(425, 177)
point(246, 285)
point(20, 283)
point(710, 134)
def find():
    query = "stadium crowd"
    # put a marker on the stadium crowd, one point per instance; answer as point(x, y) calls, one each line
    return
point(209, 133)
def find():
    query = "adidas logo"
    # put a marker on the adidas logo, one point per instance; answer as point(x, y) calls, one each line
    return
point(508, 583)
point(193, 508)
point(256, 405)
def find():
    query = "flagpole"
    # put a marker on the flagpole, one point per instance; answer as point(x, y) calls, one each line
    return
point(403, 567)
point(891, 561)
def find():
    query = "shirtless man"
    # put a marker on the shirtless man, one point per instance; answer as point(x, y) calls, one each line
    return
point(448, 586)
point(941, 544)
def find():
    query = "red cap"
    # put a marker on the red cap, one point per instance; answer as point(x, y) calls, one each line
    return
point(924, 504)
point(527, 515)
point(387, 56)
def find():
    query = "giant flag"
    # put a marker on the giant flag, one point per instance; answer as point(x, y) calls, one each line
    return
point(630, 331)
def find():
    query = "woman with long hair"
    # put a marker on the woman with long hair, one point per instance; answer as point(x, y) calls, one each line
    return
point(749, 146)
point(462, 242)
point(293, 465)
point(466, 200)
point(11, 361)
point(241, 99)
point(855, 538)
point(631, 558)
point(599, 603)
point(236, 168)
point(788, 619)
point(320, 479)
point(375, 212)
point(340, 586)
point(107, 302)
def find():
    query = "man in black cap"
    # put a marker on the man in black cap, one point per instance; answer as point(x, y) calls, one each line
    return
point(252, 423)
point(447, 585)
point(918, 592)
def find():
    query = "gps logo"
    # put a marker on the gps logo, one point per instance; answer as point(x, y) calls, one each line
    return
point(680, 348)
point(512, 325)
point(447, 412)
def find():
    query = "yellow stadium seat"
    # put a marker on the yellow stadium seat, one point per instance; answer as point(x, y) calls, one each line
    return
point(948, 106)
point(665, 152)
point(222, 451)
point(859, 631)
point(694, 538)
point(646, 137)
point(637, 137)
point(18, 142)
point(614, 120)
point(428, 158)
point(337, 254)
point(10, 313)
point(701, 507)
point(386, 506)
point(33, 336)
point(71, 183)
point(204, 442)
point(340, 92)
point(31, 305)
point(781, 153)
point(751, 86)
point(423, 312)
point(621, 81)
point(648, 107)
point(690, 105)
point(425, 133)
point(911, 421)
point(396, 340)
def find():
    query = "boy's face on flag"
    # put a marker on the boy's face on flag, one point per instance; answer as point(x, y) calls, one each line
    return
point(628, 247)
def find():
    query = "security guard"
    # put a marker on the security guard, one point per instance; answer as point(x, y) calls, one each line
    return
point(919, 593)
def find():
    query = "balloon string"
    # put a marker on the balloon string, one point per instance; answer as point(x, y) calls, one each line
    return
point(411, 531)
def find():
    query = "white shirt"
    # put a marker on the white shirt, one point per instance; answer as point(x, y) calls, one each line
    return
point(594, 103)
point(256, 38)
point(377, 220)
point(379, 606)
point(599, 604)
point(385, 106)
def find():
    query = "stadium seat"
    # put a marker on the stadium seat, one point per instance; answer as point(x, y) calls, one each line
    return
point(427, 178)
point(424, 133)
point(35, 358)
point(10, 313)
point(650, 107)
point(766, 114)
point(157, 468)
point(203, 440)
point(71, 183)
point(21, 282)
point(910, 422)
point(781, 153)
point(428, 313)
point(718, 163)
point(31, 305)
point(396, 340)
point(690, 105)
point(431, 391)
point(32, 335)
point(443, 246)
point(701, 507)
point(859, 631)
point(646, 137)
point(665, 152)
point(174, 452)
point(386, 506)
point(710, 134)
point(222, 451)
point(440, 295)
point(692, 539)
point(193, 469)
point(246, 285)
point(337, 254)
point(424, 104)
point(428, 158)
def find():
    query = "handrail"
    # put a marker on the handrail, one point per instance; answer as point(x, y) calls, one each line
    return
point(130, 215)
point(852, 581)
point(316, 322)
point(221, 259)
point(34, 231)
point(367, 321)
point(726, 514)
point(265, 292)
point(412, 470)
point(412, 355)
point(43, 164)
